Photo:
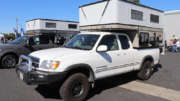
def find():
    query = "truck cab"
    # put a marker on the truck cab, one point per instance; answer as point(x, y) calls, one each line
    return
point(86, 58)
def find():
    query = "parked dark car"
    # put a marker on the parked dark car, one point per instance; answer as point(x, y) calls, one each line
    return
point(10, 52)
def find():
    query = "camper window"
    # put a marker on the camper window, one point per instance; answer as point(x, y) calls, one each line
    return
point(72, 26)
point(136, 15)
point(50, 25)
point(144, 39)
point(154, 18)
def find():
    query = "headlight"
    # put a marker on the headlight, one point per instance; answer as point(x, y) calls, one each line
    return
point(49, 64)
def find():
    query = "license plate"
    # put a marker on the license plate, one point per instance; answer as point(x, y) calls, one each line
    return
point(21, 76)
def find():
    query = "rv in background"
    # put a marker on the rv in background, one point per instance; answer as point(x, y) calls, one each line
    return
point(63, 29)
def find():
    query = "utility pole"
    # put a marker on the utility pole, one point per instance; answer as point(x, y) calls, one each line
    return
point(17, 27)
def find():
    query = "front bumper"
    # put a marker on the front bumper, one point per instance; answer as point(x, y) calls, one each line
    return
point(35, 77)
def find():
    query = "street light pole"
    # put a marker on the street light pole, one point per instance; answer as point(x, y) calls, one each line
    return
point(17, 28)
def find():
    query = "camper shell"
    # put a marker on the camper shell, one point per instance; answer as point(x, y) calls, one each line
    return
point(143, 24)
point(65, 29)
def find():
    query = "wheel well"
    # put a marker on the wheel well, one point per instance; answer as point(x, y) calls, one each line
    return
point(10, 53)
point(148, 58)
point(84, 70)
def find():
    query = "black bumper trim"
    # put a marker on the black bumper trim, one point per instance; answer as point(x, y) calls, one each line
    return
point(40, 77)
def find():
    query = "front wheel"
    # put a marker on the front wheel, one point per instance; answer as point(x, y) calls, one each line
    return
point(146, 70)
point(75, 88)
point(9, 61)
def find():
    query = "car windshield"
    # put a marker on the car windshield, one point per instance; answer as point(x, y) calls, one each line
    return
point(19, 40)
point(82, 41)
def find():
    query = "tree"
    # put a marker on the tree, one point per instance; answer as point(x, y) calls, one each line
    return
point(136, 1)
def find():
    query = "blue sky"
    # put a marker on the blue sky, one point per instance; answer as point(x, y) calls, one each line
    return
point(56, 9)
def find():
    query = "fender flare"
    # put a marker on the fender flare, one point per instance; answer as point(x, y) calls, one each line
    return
point(148, 57)
point(85, 66)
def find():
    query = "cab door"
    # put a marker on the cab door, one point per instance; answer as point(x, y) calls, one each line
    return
point(41, 42)
point(125, 58)
point(108, 61)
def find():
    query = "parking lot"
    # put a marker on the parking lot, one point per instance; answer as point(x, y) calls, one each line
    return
point(163, 86)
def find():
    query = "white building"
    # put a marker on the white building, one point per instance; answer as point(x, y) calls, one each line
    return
point(172, 25)
point(51, 26)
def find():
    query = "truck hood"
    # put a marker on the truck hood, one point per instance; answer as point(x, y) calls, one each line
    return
point(51, 54)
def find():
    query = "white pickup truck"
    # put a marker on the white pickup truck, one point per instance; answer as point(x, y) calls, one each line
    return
point(89, 56)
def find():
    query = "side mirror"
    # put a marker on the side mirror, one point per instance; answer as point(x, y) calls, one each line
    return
point(102, 48)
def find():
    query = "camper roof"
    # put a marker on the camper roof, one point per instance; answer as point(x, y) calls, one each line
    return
point(137, 4)
point(52, 20)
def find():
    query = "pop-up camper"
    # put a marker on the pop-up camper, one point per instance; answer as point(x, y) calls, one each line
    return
point(143, 24)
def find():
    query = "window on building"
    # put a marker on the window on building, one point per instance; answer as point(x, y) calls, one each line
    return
point(136, 15)
point(72, 26)
point(50, 25)
point(124, 42)
point(154, 18)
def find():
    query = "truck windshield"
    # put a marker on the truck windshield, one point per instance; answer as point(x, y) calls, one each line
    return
point(82, 41)
point(19, 40)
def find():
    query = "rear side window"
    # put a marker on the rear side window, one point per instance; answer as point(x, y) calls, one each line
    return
point(124, 42)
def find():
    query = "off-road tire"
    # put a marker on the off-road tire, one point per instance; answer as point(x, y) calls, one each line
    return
point(146, 71)
point(68, 87)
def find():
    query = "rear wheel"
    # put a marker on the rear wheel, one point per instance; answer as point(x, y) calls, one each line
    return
point(75, 88)
point(9, 61)
point(146, 70)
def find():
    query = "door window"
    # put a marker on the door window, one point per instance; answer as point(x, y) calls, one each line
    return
point(42, 39)
point(110, 41)
point(124, 42)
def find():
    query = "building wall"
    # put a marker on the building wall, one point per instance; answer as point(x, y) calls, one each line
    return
point(117, 12)
point(171, 25)
point(41, 25)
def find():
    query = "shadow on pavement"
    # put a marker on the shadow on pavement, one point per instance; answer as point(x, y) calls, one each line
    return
point(157, 68)
point(100, 86)
point(111, 82)
point(48, 92)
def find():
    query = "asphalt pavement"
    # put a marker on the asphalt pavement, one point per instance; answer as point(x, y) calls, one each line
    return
point(127, 87)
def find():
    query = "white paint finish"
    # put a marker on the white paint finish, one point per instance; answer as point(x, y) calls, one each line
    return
point(152, 90)
point(33, 25)
point(41, 25)
point(171, 25)
point(117, 12)
point(119, 60)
